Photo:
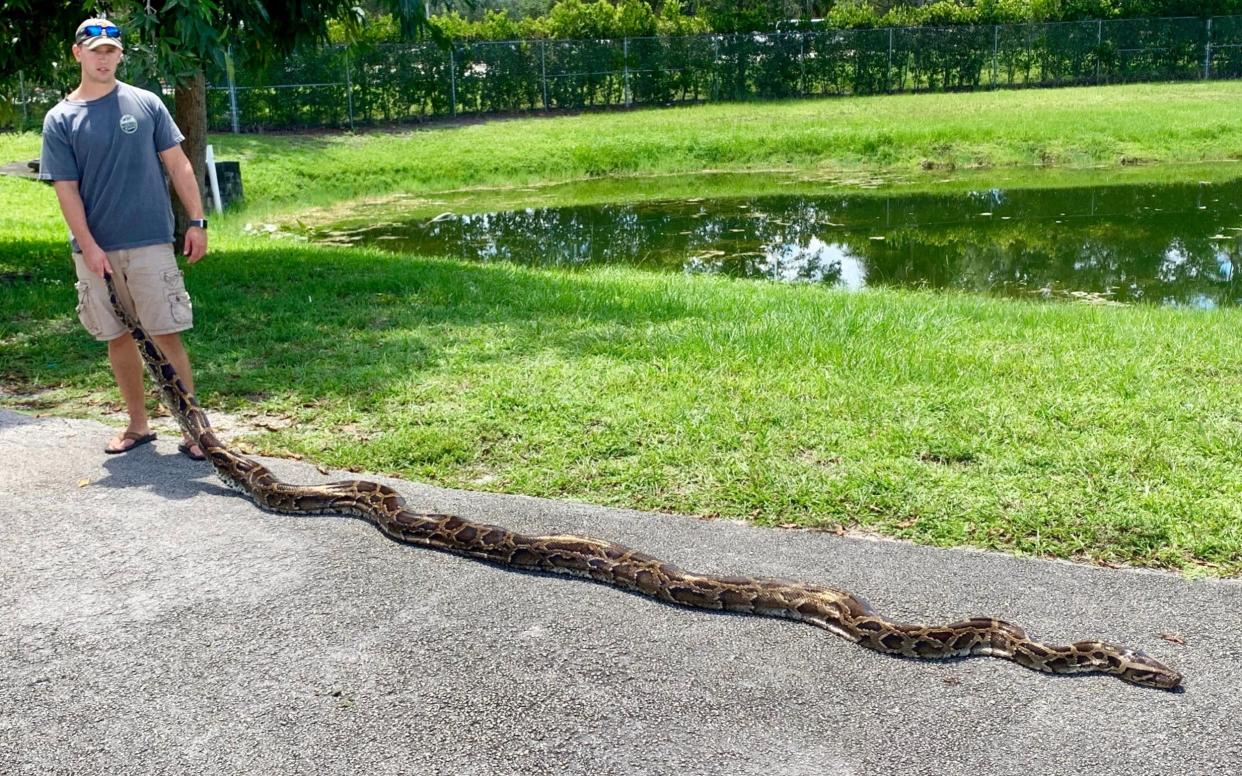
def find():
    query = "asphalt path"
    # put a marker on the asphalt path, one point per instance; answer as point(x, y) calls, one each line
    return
point(152, 621)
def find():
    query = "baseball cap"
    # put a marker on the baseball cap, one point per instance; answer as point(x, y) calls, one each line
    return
point(94, 33)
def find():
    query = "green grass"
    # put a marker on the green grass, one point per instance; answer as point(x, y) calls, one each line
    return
point(1059, 430)
point(1032, 137)
point(895, 135)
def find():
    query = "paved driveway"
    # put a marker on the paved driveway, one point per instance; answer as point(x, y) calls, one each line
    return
point(154, 622)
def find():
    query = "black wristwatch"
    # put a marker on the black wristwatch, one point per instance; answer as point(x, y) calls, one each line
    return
point(201, 223)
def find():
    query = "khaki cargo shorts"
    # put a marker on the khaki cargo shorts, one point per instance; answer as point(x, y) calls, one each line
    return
point(147, 282)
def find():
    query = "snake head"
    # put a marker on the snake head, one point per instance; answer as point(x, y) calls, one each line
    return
point(1141, 669)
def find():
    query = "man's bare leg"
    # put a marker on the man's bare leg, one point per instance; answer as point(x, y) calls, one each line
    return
point(174, 351)
point(127, 369)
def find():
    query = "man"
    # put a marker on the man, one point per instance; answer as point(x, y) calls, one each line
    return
point(102, 149)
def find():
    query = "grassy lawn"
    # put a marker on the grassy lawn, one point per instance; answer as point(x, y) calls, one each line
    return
point(897, 135)
point(1108, 434)
point(837, 139)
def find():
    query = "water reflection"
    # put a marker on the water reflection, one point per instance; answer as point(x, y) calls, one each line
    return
point(1176, 245)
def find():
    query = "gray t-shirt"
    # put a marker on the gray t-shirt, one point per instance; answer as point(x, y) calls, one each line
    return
point(111, 147)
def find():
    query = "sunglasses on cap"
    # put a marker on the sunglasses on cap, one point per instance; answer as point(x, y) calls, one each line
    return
point(96, 30)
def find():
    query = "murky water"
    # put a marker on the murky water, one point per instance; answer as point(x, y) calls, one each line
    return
point(1174, 245)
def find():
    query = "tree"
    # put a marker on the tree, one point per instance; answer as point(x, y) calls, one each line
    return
point(177, 38)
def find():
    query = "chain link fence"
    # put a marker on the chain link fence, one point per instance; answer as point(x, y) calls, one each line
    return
point(344, 87)
point(23, 101)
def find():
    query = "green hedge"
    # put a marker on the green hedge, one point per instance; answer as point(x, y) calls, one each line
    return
point(386, 83)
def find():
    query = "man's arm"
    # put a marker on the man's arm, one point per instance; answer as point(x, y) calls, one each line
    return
point(74, 211)
point(186, 186)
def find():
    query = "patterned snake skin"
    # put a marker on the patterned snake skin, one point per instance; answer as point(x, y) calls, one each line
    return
point(837, 611)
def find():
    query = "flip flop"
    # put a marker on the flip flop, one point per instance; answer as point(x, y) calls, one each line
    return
point(188, 452)
point(138, 440)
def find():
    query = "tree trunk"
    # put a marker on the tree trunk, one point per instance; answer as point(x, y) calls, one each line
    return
point(190, 113)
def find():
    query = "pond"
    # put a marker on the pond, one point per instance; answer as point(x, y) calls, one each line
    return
point(1158, 244)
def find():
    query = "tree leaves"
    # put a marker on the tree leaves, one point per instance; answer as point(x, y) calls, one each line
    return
point(174, 38)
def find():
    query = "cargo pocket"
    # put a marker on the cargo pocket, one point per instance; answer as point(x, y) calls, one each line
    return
point(179, 305)
point(85, 312)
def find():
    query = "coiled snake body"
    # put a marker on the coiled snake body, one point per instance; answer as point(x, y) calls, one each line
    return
point(838, 611)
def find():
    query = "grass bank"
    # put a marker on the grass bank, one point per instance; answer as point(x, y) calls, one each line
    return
point(1068, 431)
point(889, 135)
point(911, 139)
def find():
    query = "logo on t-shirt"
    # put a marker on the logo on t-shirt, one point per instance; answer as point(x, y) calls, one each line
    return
point(129, 124)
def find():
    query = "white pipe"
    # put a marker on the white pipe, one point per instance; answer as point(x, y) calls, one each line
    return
point(215, 184)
